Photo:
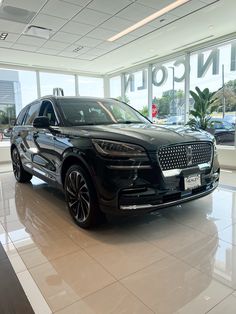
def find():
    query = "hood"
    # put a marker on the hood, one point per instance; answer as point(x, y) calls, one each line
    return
point(149, 136)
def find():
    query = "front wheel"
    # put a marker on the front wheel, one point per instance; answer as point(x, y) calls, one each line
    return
point(19, 172)
point(81, 198)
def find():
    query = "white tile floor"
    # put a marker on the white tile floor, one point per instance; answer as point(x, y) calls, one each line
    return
point(179, 260)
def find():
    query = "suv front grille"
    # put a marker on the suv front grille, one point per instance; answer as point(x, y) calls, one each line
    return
point(184, 156)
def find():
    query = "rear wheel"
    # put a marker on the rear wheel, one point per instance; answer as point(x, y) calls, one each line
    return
point(81, 198)
point(20, 174)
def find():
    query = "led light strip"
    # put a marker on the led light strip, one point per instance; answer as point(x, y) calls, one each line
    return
point(148, 19)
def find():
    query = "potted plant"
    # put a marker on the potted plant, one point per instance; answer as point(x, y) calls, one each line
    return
point(204, 105)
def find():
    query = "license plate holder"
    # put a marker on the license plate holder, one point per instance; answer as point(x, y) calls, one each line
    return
point(192, 181)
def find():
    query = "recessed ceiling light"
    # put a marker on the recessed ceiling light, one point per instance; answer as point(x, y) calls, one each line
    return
point(38, 31)
point(148, 19)
point(3, 36)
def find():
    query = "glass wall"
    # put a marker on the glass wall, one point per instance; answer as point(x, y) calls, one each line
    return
point(215, 69)
point(17, 88)
point(136, 90)
point(49, 81)
point(168, 81)
point(115, 87)
point(91, 86)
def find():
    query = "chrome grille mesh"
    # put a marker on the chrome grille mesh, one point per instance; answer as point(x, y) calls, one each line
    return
point(184, 156)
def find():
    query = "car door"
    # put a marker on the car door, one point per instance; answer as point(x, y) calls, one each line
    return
point(44, 139)
point(27, 146)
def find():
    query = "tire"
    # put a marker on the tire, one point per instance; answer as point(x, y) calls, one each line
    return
point(81, 198)
point(19, 172)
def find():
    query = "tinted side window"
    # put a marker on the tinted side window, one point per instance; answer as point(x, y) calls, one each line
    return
point(20, 117)
point(48, 111)
point(32, 113)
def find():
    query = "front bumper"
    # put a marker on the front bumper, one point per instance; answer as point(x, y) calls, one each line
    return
point(135, 191)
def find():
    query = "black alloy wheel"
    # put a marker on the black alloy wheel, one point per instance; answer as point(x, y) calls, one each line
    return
point(81, 198)
point(20, 174)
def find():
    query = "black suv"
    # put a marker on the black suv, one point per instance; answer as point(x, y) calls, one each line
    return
point(108, 158)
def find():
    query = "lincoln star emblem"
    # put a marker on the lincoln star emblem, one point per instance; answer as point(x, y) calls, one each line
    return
point(189, 155)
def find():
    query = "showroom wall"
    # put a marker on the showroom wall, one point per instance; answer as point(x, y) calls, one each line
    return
point(162, 83)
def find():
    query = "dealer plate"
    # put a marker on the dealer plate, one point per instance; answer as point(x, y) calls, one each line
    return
point(192, 181)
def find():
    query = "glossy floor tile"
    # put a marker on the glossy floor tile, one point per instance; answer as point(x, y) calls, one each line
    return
point(180, 259)
point(118, 300)
point(70, 278)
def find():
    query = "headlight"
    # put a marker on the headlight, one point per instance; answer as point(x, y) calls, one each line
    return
point(214, 145)
point(118, 149)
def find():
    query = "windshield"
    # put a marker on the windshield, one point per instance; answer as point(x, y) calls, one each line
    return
point(78, 112)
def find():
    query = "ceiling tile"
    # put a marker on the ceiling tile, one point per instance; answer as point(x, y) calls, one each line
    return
point(91, 17)
point(142, 31)
point(55, 45)
point(48, 51)
point(48, 21)
point(96, 52)
point(108, 46)
point(125, 39)
point(24, 47)
point(4, 44)
point(67, 54)
point(102, 33)
point(163, 20)
point(61, 9)
point(88, 42)
point(157, 5)
point(116, 23)
point(136, 12)
point(86, 57)
point(187, 8)
point(11, 37)
point(77, 2)
point(65, 37)
point(13, 27)
point(108, 6)
point(31, 41)
point(31, 5)
point(77, 28)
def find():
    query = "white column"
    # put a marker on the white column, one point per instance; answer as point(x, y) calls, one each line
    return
point(187, 87)
point(150, 91)
point(106, 85)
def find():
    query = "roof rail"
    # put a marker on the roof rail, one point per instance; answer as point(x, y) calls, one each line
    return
point(57, 91)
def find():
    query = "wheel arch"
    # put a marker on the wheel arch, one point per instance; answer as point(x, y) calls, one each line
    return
point(73, 160)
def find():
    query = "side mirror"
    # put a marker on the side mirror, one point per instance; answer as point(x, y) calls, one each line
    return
point(41, 122)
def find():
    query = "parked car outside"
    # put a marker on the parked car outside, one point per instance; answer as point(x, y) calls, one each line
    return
point(223, 131)
point(174, 120)
point(108, 158)
point(230, 119)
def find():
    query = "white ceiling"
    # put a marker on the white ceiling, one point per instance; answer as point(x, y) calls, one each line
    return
point(89, 23)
